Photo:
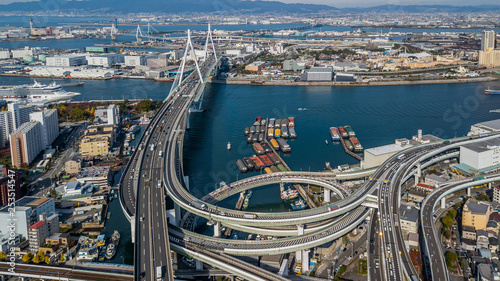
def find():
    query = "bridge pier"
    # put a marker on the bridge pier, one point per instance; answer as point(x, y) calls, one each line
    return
point(443, 203)
point(282, 186)
point(298, 254)
point(305, 261)
point(468, 191)
point(327, 194)
point(199, 265)
point(489, 185)
point(418, 174)
point(132, 229)
point(217, 227)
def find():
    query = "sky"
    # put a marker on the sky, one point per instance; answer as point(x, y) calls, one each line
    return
point(366, 3)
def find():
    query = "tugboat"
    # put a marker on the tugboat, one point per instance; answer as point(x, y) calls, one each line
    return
point(245, 203)
point(113, 245)
point(228, 145)
point(298, 205)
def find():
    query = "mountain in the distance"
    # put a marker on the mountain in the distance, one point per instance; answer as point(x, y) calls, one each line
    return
point(162, 6)
point(426, 8)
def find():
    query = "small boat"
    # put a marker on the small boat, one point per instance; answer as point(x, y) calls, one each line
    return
point(326, 142)
point(245, 203)
point(228, 145)
point(109, 215)
point(210, 222)
point(249, 194)
point(490, 91)
point(299, 205)
point(235, 235)
point(289, 194)
point(250, 236)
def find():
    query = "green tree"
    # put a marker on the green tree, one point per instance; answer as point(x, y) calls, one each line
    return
point(145, 105)
point(446, 233)
point(451, 259)
point(447, 221)
point(77, 114)
point(483, 197)
point(452, 213)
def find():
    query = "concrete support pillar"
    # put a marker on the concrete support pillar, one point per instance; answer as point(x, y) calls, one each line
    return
point(443, 203)
point(177, 215)
point(305, 261)
point(489, 185)
point(419, 171)
point(217, 227)
point(282, 186)
point(298, 254)
point(468, 191)
point(199, 265)
point(132, 230)
point(327, 194)
point(187, 120)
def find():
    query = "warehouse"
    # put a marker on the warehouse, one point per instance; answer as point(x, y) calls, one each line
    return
point(317, 74)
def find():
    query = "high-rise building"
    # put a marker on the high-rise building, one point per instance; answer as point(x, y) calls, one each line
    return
point(37, 234)
point(488, 41)
point(50, 125)
point(113, 114)
point(25, 143)
point(13, 187)
point(20, 114)
point(5, 127)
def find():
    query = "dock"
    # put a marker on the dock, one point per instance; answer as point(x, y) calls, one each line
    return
point(297, 186)
point(239, 206)
point(354, 155)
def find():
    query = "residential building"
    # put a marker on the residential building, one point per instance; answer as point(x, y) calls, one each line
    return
point(26, 143)
point(6, 242)
point(485, 272)
point(97, 141)
point(109, 115)
point(66, 60)
point(496, 194)
point(409, 218)
point(475, 214)
point(5, 127)
point(468, 232)
point(255, 66)
point(14, 186)
point(488, 40)
point(490, 58)
point(50, 125)
point(20, 114)
point(73, 166)
point(37, 234)
point(482, 240)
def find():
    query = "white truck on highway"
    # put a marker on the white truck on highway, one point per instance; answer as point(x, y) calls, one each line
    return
point(158, 273)
point(152, 146)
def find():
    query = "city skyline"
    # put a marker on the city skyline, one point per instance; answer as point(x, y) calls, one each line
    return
point(355, 3)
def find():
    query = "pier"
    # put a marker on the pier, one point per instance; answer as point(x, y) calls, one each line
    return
point(354, 155)
point(297, 186)
point(239, 206)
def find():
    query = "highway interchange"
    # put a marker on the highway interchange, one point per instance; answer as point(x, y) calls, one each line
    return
point(149, 178)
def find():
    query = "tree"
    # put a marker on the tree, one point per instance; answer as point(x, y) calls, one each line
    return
point(37, 259)
point(145, 105)
point(451, 259)
point(446, 233)
point(77, 114)
point(3, 255)
point(483, 197)
point(27, 257)
point(61, 258)
point(447, 221)
point(452, 213)
point(47, 260)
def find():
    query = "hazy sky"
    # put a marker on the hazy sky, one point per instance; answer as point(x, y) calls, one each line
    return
point(365, 3)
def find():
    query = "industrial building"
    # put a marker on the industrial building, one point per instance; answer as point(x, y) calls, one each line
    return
point(374, 157)
point(345, 77)
point(105, 60)
point(291, 65)
point(255, 66)
point(109, 115)
point(317, 74)
point(66, 60)
point(480, 156)
point(485, 127)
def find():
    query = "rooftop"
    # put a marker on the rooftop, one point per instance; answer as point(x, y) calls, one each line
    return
point(24, 203)
point(37, 225)
point(320, 69)
point(475, 207)
point(385, 149)
point(93, 171)
point(493, 124)
point(26, 127)
point(435, 178)
point(408, 213)
point(483, 145)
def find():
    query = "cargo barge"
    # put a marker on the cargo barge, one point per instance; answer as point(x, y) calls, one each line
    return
point(291, 122)
point(282, 168)
point(291, 131)
point(285, 148)
point(284, 132)
point(266, 148)
point(275, 169)
point(271, 123)
point(249, 138)
point(350, 131)
point(252, 130)
point(357, 145)
point(343, 132)
point(258, 148)
point(257, 121)
point(334, 134)
point(270, 133)
point(349, 145)
point(258, 164)
point(277, 124)
point(241, 166)
point(284, 122)
point(273, 158)
point(266, 160)
point(248, 163)
point(247, 131)
point(275, 144)
point(277, 133)
point(261, 137)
